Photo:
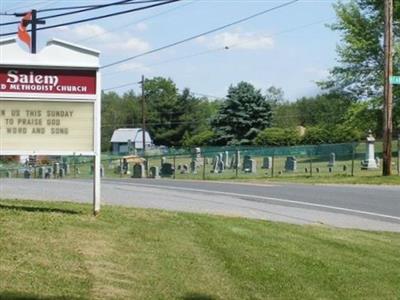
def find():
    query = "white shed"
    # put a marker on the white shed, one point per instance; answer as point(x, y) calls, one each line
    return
point(121, 137)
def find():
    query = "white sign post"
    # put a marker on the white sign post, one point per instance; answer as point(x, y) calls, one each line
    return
point(50, 103)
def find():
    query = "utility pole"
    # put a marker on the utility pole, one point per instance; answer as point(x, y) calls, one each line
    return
point(143, 117)
point(388, 91)
point(34, 22)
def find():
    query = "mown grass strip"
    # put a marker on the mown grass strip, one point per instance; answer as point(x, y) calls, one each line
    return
point(59, 251)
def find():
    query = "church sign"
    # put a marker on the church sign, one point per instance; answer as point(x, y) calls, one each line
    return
point(50, 102)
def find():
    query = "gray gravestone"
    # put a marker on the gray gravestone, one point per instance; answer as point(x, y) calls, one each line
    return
point(193, 167)
point(290, 164)
point(42, 172)
point(56, 169)
point(138, 171)
point(332, 160)
point(251, 166)
point(248, 164)
point(27, 174)
point(267, 162)
point(154, 173)
point(225, 158)
point(369, 163)
point(167, 170)
point(185, 169)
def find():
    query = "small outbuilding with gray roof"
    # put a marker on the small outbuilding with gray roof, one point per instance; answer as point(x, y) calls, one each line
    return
point(123, 137)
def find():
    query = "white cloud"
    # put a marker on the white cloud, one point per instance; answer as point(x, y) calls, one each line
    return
point(239, 40)
point(96, 34)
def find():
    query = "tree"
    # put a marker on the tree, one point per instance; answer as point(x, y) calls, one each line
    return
point(242, 116)
point(278, 137)
point(361, 54)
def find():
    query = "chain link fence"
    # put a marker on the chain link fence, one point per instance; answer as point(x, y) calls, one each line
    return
point(213, 163)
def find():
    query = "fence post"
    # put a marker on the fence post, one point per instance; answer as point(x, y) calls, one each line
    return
point(204, 166)
point(237, 163)
point(311, 165)
point(352, 159)
point(174, 176)
point(273, 165)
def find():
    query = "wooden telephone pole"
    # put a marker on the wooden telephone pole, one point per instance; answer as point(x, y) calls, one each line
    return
point(388, 91)
point(143, 117)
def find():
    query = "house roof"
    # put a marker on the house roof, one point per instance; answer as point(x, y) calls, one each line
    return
point(122, 135)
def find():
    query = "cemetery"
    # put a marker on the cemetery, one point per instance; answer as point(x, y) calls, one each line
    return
point(325, 161)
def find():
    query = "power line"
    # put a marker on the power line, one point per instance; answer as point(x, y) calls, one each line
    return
point(135, 22)
point(174, 59)
point(86, 8)
point(99, 17)
point(227, 47)
point(201, 34)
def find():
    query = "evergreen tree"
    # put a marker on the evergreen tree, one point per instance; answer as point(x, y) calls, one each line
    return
point(242, 116)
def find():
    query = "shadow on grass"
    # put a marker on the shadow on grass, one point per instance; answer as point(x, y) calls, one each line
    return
point(20, 296)
point(196, 296)
point(38, 209)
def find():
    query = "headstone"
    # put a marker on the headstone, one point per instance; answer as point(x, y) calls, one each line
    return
point(332, 160)
point(246, 162)
point(196, 156)
point(317, 170)
point(179, 167)
point(167, 170)
point(249, 165)
point(306, 170)
point(56, 168)
point(42, 172)
point(344, 168)
point(61, 173)
point(330, 169)
point(185, 169)
point(49, 173)
point(138, 171)
point(27, 174)
point(267, 162)
point(369, 163)
point(66, 168)
point(8, 174)
point(225, 158)
point(290, 164)
point(378, 162)
point(154, 172)
point(215, 163)
point(218, 164)
point(193, 167)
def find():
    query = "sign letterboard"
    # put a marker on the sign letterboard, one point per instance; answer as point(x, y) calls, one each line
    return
point(52, 81)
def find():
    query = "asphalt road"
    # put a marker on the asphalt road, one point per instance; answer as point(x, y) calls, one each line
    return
point(362, 207)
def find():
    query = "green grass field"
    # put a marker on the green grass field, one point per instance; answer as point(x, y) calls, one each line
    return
point(59, 251)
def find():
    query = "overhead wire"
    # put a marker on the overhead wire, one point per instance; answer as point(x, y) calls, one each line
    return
point(98, 17)
point(212, 51)
point(200, 34)
point(85, 9)
point(135, 22)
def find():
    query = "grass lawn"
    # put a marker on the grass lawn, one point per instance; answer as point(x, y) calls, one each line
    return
point(59, 251)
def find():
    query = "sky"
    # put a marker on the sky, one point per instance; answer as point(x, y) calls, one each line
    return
point(291, 48)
